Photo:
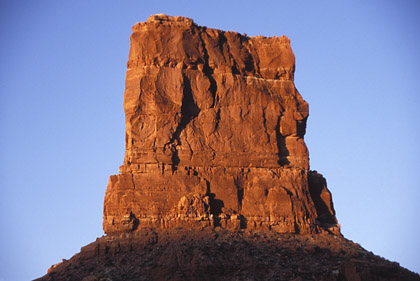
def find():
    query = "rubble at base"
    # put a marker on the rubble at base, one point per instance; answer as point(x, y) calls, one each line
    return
point(221, 254)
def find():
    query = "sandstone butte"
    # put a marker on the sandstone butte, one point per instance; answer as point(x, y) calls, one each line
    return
point(215, 150)
point(214, 135)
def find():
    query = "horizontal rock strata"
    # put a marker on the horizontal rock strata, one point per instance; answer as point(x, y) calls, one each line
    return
point(214, 135)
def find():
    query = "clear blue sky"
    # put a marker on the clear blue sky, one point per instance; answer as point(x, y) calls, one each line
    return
point(62, 70)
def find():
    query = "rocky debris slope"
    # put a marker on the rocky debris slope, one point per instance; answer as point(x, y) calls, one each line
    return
point(221, 254)
point(214, 135)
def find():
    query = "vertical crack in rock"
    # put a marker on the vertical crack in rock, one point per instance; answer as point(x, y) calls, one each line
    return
point(133, 182)
point(301, 127)
point(240, 190)
point(249, 62)
point(233, 63)
point(189, 110)
point(216, 121)
point(281, 145)
point(133, 222)
point(208, 71)
point(265, 126)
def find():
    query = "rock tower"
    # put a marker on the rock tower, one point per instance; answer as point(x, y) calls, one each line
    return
point(214, 135)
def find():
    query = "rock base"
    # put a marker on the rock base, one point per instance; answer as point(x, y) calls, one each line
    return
point(220, 254)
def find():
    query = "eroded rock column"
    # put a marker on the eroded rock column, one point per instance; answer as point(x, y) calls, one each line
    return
point(214, 135)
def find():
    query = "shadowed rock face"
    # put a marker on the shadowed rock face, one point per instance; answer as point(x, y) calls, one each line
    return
point(214, 135)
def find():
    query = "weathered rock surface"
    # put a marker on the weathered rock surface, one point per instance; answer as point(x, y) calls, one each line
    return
point(220, 254)
point(214, 135)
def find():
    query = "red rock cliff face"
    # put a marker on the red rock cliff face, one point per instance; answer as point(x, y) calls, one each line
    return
point(214, 135)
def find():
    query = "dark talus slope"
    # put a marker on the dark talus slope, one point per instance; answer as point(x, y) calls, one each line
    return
point(221, 254)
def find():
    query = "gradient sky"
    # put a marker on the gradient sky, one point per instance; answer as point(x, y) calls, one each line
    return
point(62, 71)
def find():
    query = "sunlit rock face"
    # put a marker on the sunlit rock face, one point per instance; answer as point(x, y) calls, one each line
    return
point(214, 135)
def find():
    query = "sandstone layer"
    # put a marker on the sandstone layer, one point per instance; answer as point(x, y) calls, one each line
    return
point(214, 135)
